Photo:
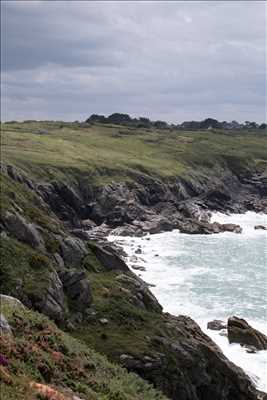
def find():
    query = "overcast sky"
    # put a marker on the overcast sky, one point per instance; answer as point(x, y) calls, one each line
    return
point(174, 61)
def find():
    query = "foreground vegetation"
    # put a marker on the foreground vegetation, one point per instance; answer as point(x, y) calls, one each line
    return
point(38, 353)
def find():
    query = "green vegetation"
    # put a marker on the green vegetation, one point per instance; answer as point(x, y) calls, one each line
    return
point(103, 153)
point(38, 352)
point(23, 271)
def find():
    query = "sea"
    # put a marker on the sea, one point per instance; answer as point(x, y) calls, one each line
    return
point(210, 277)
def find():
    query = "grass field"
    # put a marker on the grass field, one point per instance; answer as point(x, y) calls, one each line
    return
point(50, 150)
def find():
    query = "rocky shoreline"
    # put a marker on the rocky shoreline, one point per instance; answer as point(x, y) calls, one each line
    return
point(89, 288)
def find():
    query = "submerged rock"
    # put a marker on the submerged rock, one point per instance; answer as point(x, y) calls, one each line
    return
point(239, 331)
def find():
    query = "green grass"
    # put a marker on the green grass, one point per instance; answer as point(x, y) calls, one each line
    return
point(24, 272)
point(106, 153)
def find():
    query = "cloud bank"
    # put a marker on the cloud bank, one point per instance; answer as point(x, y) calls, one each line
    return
point(173, 61)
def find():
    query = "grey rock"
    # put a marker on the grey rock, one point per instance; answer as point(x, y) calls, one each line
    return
point(10, 301)
point(216, 325)
point(59, 260)
point(262, 227)
point(4, 325)
point(88, 224)
point(108, 258)
point(52, 303)
point(239, 331)
point(140, 291)
point(73, 251)
point(103, 321)
point(77, 288)
point(18, 227)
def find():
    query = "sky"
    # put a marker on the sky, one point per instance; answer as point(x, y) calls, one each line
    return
point(173, 61)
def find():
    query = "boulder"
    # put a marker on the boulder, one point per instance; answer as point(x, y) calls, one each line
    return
point(73, 251)
point(77, 288)
point(239, 331)
point(18, 227)
point(230, 228)
point(108, 258)
point(10, 301)
point(216, 325)
point(263, 227)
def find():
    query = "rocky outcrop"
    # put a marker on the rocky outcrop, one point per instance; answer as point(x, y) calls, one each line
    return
point(141, 295)
point(194, 367)
point(17, 226)
point(72, 250)
point(239, 331)
point(198, 227)
point(170, 352)
point(108, 257)
point(52, 303)
point(77, 288)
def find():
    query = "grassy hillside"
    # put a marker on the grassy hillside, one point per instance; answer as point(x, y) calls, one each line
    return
point(109, 152)
point(38, 353)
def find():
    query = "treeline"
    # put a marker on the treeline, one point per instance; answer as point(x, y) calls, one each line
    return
point(142, 122)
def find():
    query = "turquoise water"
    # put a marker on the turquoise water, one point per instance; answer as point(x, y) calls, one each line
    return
point(211, 277)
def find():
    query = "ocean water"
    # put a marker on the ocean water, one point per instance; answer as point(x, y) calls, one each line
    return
point(211, 277)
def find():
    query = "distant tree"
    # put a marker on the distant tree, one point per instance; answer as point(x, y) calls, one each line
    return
point(160, 124)
point(251, 125)
point(263, 126)
point(144, 122)
point(96, 118)
point(118, 118)
point(209, 123)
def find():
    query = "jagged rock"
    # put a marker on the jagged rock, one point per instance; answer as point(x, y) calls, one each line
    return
point(81, 234)
point(59, 260)
point(198, 371)
point(198, 227)
point(239, 331)
point(88, 224)
point(4, 325)
point(73, 251)
point(156, 224)
point(77, 287)
point(260, 227)
point(18, 227)
point(109, 259)
point(216, 325)
point(52, 303)
point(230, 228)
point(139, 289)
point(18, 176)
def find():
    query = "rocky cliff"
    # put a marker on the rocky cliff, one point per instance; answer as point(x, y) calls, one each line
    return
point(55, 260)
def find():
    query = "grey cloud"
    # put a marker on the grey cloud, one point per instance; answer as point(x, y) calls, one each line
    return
point(168, 60)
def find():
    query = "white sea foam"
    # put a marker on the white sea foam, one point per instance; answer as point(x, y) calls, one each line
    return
point(211, 277)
